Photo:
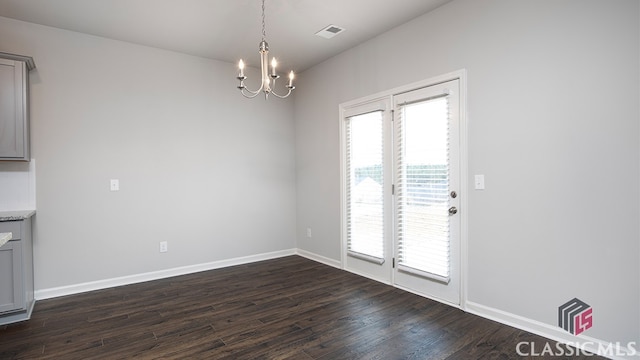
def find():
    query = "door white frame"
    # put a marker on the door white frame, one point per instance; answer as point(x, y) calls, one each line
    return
point(461, 76)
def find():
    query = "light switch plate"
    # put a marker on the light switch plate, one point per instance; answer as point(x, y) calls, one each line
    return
point(479, 182)
point(115, 185)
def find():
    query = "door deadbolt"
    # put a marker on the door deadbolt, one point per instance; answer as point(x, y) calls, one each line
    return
point(453, 210)
point(454, 194)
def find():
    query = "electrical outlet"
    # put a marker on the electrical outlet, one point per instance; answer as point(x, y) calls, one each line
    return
point(164, 246)
point(115, 185)
point(308, 232)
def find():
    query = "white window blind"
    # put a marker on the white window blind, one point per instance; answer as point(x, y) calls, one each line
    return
point(422, 195)
point(364, 186)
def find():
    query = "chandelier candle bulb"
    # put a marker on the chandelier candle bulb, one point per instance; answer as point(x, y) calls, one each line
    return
point(291, 76)
point(241, 66)
point(274, 63)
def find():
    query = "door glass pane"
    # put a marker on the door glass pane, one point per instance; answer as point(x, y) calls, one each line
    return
point(423, 186)
point(365, 230)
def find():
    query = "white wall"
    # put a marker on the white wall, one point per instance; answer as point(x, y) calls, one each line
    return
point(199, 166)
point(553, 90)
point(17, 185)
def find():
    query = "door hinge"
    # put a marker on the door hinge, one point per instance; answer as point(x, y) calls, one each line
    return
point(393, 263)
point(393, 189)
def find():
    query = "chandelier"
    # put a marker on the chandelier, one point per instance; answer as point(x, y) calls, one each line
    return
point(268, 79)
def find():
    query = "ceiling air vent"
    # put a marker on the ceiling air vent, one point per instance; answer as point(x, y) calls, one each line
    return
point(330, 31)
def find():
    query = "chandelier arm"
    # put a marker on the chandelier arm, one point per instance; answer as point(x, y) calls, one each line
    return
point(243, 88)
point(273, 86)
point(253, 94)
point(282, 96)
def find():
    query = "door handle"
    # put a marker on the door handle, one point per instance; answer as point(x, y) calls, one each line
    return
point(453, 210)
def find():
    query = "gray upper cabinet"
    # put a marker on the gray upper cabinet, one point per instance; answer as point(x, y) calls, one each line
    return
point(14, 106)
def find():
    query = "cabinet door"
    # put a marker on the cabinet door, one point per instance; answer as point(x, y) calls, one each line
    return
point(13, 116)
point(11, 278)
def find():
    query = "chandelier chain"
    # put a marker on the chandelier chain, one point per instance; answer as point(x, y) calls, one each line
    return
point(264, 32)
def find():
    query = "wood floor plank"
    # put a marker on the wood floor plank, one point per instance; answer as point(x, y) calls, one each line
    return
point(286, 308)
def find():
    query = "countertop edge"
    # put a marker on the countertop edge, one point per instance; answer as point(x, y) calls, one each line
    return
point(16, 215)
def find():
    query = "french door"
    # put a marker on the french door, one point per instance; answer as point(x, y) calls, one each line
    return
point(401, 190)
point(366, 188)
point(427, 194)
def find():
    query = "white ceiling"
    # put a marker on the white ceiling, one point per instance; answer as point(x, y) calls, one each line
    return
point(226, 29)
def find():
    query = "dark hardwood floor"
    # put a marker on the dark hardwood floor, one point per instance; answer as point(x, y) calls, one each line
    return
point(288, 308)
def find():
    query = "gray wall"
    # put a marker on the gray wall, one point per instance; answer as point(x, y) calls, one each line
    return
point(199, 166)
point(553, 114)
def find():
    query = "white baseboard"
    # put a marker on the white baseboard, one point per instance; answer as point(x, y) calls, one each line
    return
point(156, 275)
point(319, 258)
point(585, 343)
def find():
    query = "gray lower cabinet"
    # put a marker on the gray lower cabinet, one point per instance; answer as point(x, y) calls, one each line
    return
point(16, 272)
point(14, 106)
